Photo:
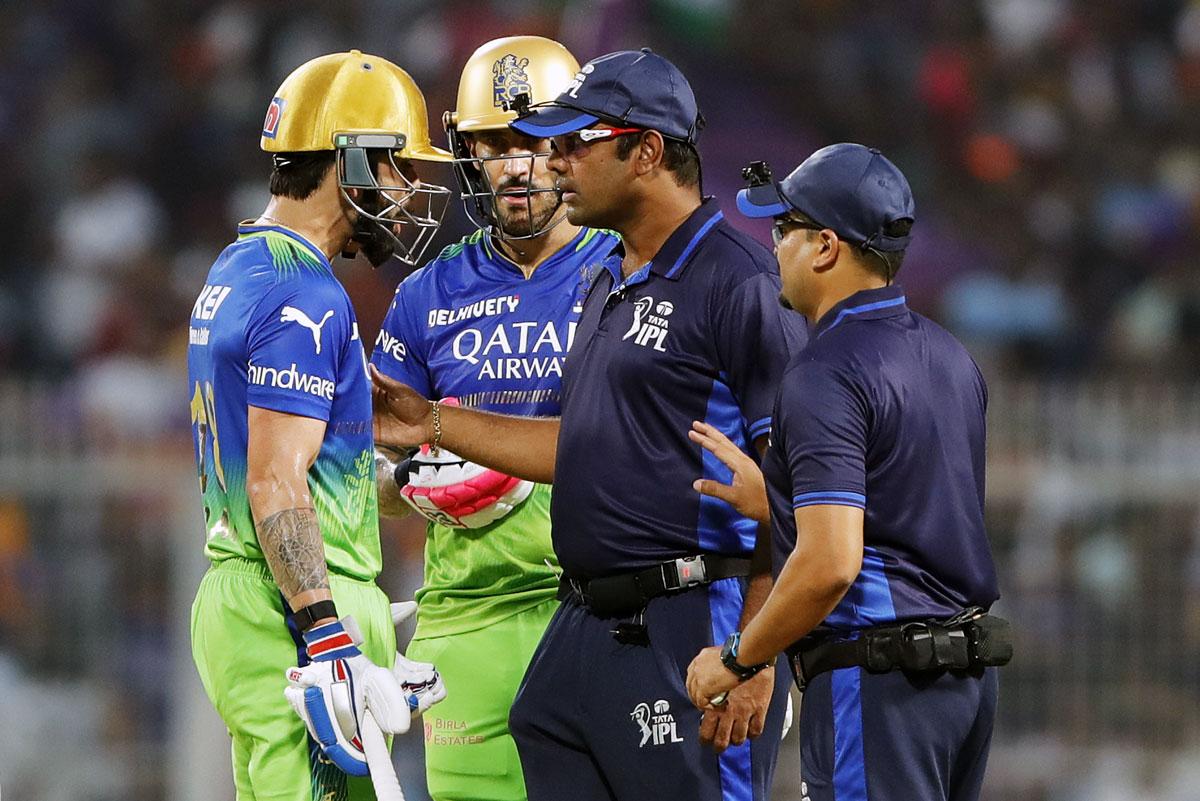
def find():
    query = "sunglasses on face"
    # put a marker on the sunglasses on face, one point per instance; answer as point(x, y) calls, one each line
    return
point(785, 225)
point(576, 144)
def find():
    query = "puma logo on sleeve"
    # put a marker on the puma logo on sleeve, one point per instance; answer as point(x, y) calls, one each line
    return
point(293, 315)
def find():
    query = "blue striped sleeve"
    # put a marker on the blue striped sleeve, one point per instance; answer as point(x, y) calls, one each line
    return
point(759, 427)
point(831, 498)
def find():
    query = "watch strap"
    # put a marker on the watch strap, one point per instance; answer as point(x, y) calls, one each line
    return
point(307, 616)
point(729, 655)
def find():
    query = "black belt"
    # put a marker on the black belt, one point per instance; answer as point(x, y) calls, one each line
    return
point(618, 596)
point(969, 640)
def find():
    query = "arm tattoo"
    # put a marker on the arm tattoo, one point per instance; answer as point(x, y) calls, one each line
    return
point(291, 542)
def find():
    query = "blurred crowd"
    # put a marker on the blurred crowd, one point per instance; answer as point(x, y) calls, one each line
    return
point(1053, 147)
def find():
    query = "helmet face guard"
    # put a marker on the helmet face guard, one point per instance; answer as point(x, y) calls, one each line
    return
point(399, 220)
point(481, 199)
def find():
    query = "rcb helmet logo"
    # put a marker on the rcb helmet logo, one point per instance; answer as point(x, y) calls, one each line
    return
point(509, 79)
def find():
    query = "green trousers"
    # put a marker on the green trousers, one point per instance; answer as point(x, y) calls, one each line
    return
point(242, 646)
point(469, 754)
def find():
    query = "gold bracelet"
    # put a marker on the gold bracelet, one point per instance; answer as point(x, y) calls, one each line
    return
point(435, 446)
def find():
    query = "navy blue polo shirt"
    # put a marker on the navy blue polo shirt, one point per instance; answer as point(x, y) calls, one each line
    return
point(695, 334)
point(884, 410)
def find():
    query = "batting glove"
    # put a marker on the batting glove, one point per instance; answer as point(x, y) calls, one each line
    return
point(420, 680)
point(332, 693)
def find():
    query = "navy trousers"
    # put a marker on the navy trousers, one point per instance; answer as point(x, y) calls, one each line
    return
point(596, 720)
point(918, 737)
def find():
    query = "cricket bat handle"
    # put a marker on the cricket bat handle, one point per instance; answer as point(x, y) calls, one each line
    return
point(383, 773)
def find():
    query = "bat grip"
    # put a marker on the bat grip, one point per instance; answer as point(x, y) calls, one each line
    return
point(383, 773)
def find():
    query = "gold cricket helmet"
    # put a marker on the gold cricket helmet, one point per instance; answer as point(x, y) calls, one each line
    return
point(365, 108)
point(494, 78)
point(348, 93)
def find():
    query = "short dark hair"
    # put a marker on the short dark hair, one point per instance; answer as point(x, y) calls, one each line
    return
point(679, 158)
point(884, 263)
point(297, 175)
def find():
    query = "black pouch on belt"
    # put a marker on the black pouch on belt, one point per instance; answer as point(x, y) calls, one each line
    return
point(932, 646)
point(989, 639)
point(615, 596)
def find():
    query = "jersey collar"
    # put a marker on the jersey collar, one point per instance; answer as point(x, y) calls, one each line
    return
point(248, 227)
point(502, 259)
point(868, 304)
point(677, 252)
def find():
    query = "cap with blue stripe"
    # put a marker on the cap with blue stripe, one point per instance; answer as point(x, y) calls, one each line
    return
point(634, 88)
point(763, 200)
point(547, 121)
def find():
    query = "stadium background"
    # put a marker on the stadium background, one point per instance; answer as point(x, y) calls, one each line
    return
point(1054, 148)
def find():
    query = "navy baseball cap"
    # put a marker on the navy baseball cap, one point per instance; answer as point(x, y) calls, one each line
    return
point(638, 88)
point(850, 188)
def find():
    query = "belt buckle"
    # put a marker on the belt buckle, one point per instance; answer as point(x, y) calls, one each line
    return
point(689, 572)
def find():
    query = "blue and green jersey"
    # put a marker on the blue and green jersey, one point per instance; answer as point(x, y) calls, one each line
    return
point(470, 325)
point(274, 328)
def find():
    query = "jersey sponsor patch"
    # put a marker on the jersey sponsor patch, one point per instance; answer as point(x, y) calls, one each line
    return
point(489, 307)
point(392, 346)
point(650, 324)
point(290, 378)
point(528, 350)
point(209, 300)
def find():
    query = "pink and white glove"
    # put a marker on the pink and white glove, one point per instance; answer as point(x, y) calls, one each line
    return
point(450, 490)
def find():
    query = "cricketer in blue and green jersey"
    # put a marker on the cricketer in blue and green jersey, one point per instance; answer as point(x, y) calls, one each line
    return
point(470, 325)
point(273, 328)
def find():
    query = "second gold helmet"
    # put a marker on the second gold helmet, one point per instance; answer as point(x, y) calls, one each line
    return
point(494, 77)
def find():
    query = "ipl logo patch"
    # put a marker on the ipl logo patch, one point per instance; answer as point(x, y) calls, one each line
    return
point(271, 123)
point(650, 323)
point(657, 726)
point(509, 80)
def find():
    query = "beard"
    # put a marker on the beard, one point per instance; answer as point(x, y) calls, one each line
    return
point(530, 216)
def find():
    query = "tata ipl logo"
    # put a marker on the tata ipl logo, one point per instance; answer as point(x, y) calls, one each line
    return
point(657, 727)
point(650, 324)
point(509, 79)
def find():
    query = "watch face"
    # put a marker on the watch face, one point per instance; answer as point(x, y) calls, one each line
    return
point(729, 653)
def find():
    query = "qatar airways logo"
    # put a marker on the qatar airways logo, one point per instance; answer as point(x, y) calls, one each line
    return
point(515, 350)
point(290, 379)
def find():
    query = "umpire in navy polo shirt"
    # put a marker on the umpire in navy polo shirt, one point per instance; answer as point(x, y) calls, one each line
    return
point(874, 478)
point(681, 323)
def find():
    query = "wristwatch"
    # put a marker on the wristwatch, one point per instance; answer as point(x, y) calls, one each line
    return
point(729, 655)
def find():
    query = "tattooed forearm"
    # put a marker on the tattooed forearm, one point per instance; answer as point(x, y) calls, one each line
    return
point(291, 543)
